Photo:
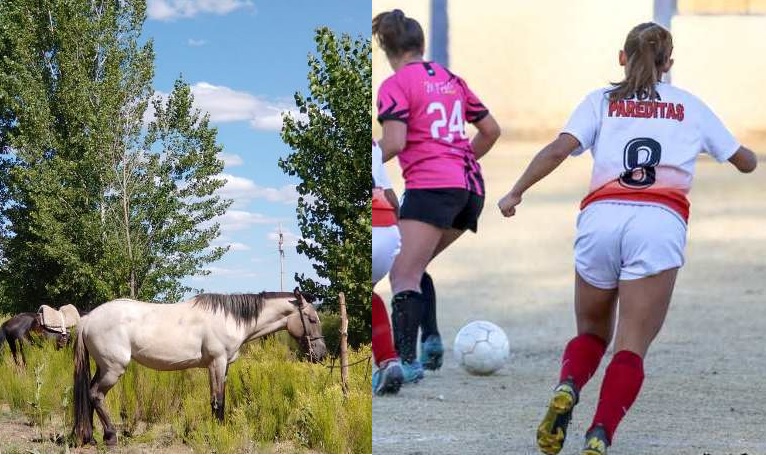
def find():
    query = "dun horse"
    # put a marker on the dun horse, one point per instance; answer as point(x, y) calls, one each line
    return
point(204, 332)
point(16, 331)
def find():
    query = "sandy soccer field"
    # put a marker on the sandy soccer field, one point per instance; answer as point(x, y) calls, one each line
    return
point(705, 386)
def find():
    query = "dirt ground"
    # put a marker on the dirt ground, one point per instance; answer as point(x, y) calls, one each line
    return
point(19, 435)
point(704, 389)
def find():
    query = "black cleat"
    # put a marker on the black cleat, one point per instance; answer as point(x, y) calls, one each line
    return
point(596, 442)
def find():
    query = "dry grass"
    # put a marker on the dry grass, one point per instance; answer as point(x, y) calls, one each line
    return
point(275, 403)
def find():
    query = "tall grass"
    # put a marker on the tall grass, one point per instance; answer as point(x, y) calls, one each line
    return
point(274, 401)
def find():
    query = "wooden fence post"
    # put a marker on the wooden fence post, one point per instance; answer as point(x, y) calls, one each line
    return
point(343, 344)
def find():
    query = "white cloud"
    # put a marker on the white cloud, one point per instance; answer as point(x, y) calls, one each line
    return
point(289, 238)
point(231, 160)
point(243, 189)
point(237, 246)
point(165, 10)
point(238, 220)
point(232, 245)
point(227, 272)
point(228, 105)
point(196, 42)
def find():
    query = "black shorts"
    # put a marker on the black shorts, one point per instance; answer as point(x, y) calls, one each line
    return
point(444, 208)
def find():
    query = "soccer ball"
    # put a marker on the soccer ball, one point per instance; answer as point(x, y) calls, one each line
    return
point(481, 348)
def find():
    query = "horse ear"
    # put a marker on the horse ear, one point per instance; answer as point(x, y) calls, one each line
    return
point(297, 293)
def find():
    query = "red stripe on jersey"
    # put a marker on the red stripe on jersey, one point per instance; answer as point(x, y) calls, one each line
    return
point(383, 213)
point(671, 198)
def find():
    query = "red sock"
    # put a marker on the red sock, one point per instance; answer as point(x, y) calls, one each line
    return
point(619, 390)
point(382, 340)
point(581, 358)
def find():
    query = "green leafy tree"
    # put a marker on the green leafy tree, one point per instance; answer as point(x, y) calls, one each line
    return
point(95, 203)
point(332, 158)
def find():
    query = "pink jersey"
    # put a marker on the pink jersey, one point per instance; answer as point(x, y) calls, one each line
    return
point(435, 104)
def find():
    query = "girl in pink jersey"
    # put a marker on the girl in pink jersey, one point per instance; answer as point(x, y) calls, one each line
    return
point(644, 136)
point(423, 109)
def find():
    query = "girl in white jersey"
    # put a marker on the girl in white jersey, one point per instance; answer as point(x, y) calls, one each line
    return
point(644, 136)
point(385, 246)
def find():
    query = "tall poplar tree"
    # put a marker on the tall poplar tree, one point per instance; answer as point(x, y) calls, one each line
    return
point(96, 202)
point(332, 158)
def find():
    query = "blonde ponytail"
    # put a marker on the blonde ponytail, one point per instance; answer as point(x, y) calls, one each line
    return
point(647, 48)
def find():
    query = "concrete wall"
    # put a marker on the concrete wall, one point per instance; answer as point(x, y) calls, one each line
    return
point(532, 61)
point(722, 59)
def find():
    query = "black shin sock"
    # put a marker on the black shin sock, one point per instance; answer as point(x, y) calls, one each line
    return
point(428, 325)
point(406, 312)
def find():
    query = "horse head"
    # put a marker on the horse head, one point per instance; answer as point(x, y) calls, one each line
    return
point(306, 328)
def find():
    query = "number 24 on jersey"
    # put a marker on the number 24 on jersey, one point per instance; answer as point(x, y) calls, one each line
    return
point(447, 125)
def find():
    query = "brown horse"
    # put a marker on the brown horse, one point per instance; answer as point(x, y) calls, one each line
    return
point(17, 330)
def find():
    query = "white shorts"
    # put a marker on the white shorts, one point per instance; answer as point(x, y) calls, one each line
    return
point(385, 247)
point(627, 241)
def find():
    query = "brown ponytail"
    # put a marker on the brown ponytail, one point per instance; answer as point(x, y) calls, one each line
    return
point(398, 34)
point(647, 48)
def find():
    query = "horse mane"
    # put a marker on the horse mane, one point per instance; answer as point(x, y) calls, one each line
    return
point(243, 308)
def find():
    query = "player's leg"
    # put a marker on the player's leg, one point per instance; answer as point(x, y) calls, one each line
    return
point(651, 253)
point(595, 311)
point(419, 240)
point(425, 221)
point(430, 338)
point(643, 306)
point(597, 264)
point(388, 377)
point(431, 346)
point(385, 246)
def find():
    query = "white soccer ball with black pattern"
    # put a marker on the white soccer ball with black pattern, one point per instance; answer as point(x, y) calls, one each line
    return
point(481, 348)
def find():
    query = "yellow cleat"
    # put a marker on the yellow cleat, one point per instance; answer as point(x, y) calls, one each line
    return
point(553, 429)
point(595, 442)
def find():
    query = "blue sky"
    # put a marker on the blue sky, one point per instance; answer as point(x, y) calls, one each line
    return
point(244, 60)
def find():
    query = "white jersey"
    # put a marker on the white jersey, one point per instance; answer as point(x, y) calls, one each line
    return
point(383, 213)
point(645, 150)
point(385, 234)
point(378, 170)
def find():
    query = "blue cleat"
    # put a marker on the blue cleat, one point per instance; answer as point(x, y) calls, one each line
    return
point(413, 371)
point(388, 378)
point(432, 352)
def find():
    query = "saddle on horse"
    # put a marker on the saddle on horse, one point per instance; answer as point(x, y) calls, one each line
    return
point(58, 320)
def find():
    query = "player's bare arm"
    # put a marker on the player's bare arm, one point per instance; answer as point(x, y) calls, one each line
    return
point(545, 162)
point(489, 133)
point(394, 138)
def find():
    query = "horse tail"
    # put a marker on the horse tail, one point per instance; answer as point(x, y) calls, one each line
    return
point(83, 409)
point(2, 337)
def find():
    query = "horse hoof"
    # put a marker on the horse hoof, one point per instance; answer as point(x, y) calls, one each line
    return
point(110, 439)
point(88, 442)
